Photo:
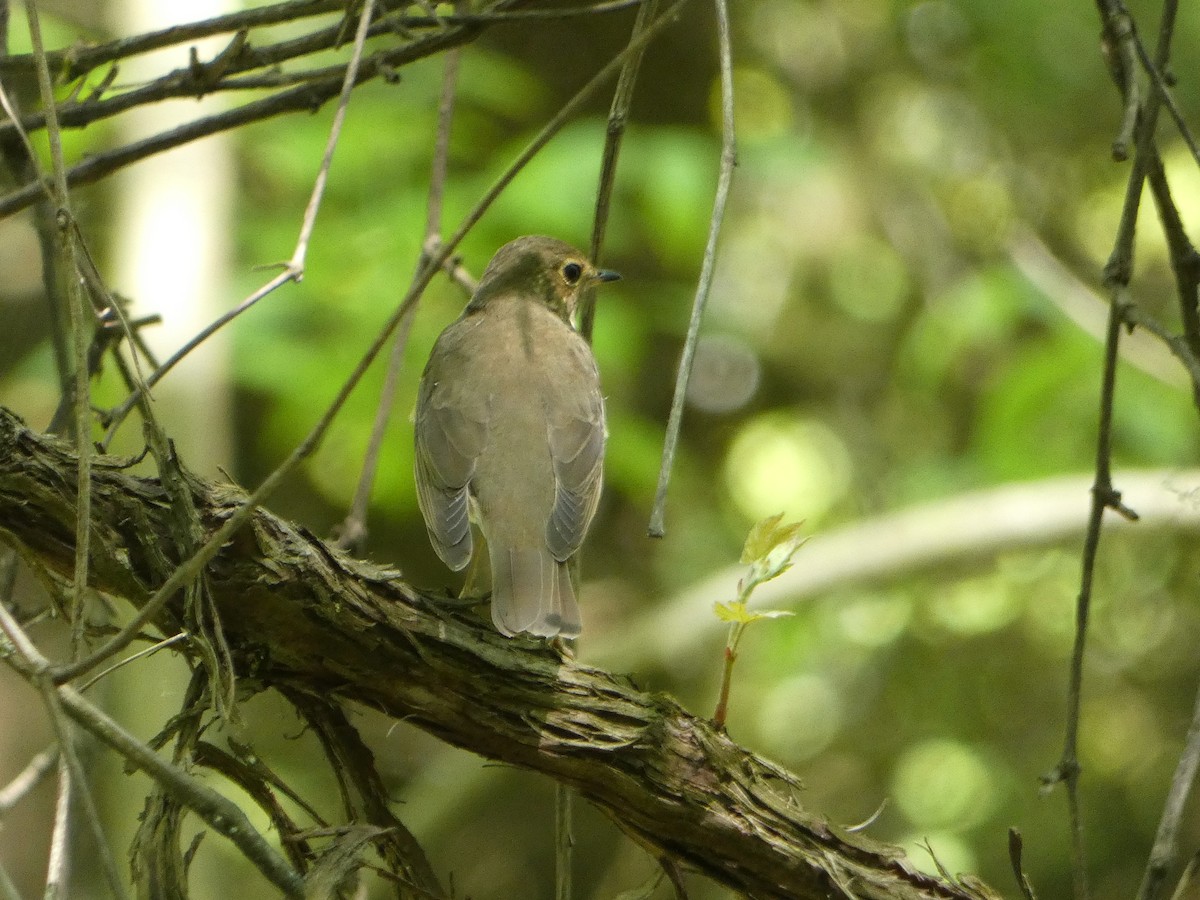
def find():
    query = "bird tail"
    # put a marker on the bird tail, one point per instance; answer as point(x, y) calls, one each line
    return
point(532, 592)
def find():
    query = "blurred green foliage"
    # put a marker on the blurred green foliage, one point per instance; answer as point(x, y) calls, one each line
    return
point(879, 346)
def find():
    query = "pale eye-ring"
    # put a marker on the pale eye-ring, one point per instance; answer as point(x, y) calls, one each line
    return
point(572, 272)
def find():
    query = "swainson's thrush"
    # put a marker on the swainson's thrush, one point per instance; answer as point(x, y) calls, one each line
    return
point(510, 433)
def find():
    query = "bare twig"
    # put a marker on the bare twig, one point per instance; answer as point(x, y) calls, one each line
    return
point(38, 768)
point(1154, 70)
point(30, 663)
point(618, 116)
point(1185, 262)
point(82, 385)
point(1104, 497)
point(1122, 63)
point(1118, 272)
point(354, 527)
point(335, 131)
point(308, 96)
point(564, 842)
point(72, 780)
point(294, 268)
point(77, 61)
point(354, 765)
point(219, 812)
point(1166, 839)
point(728, 162)
point(315, 88)
point(144, 652)
point(58, 860)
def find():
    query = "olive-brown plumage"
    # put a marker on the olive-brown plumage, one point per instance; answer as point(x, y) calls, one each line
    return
point(510, 433)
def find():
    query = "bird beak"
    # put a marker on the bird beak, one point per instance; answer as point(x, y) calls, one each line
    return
point(608, 275)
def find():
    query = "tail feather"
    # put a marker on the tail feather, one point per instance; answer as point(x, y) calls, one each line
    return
point(532, 592)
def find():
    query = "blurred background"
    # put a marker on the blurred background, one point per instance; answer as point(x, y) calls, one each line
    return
point(902, 349)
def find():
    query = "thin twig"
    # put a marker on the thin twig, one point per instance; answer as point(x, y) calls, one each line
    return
point(1163, 90)
point(1122, 61)
point(335, 132)
point(117, 416)
point(354, 527)
point(354, 765)
point(305, 97)
point(82, 386)
point(618, 116)
point(1184, 262)
point(221, 814)
point(218, 811)
point(144, 652)
point(1166, 838)
point(294, 268)
point(1118, 273)
point(29, 662)
point(1179, 347)
point(71, 778)
point(319, 85)
point(77, 61)
point(58, 860)
point(564, 842)
point(30, 777)
point(725, 178)
point(1104, 496)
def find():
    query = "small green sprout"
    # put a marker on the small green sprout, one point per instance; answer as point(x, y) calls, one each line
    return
point(768, 551)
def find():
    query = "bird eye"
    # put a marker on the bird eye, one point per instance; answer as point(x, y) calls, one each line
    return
point(572, 272)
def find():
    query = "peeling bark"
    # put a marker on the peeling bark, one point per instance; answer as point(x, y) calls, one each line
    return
point(304, 617)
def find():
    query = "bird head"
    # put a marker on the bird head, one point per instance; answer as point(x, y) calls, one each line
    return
point(544, 269)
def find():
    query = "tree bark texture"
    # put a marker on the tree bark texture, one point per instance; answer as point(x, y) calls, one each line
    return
point(304, 617)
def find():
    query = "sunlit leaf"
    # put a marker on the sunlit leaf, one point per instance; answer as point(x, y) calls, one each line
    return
point(736, 611)
point(769, 549)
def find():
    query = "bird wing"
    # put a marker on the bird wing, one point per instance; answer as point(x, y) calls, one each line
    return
point(450, 431)
point(575, 420)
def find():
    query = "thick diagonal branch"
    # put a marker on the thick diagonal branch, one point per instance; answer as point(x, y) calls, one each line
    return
point(307, 618)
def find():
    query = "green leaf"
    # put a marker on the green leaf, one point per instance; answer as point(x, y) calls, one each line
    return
point(769, 549)
point(759, 542)
point(736, 611)
point(770, 614)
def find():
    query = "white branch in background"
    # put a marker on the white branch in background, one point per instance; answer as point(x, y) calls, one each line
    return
point(976, 525)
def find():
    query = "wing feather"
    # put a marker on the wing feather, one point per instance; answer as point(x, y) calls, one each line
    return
point(577, 436)
point(450, 431)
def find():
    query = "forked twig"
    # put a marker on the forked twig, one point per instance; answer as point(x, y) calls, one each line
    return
point(1118, 273)
point(293, 270)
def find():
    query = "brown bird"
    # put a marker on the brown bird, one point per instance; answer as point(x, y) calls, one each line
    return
point(510, 433)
